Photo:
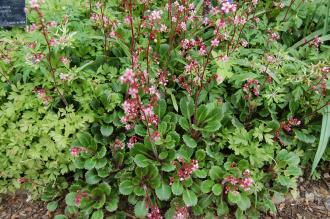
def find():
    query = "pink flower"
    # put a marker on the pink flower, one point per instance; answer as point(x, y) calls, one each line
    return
point(128, 77)
point(219, 79)
point(35, 4)
point(202, 51)
point(244, 43)
point(52, 24)
point(75, 151)
point(215, 42)
point(64, 77)
point(155, 136)
point(22, 180)
point(183, 26)
point(246, 183)
point(52, 42)
point(163, 28)
point(187, 169)
point(64, 60)
point(37, 58)
point(325, 69)
point(133, 90)
point(228, 7)
point(154, 213)
point(181, 213)
point(79, 197)
point(155, 15)
point(118, 144)
point(128, 20)
point(131, 142)
point(98, 5)
point(31, 28)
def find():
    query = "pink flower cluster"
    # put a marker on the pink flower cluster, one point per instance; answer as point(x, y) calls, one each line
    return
point(23, 180)
point(37, 58)
point(41, 92)
point(154, 213)
point(35, 4)
point(315, 42)
point(75, 151)
point(252, 85)
point(132, 141)
point(287, 127)
point(185, 170)
point(234, 183)
point(134, 109)
point(118, 144)
point(181, 213)
point(64, 60)
point(228, 7)
point(273, 36)
point(79, 197)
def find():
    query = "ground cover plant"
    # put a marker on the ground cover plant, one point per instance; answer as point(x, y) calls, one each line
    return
point(164, 109)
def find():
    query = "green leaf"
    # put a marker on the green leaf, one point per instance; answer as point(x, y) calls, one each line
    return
point(244, 203)
point(177, 188)
point(284, 180)
point(60, 216)
point(212, 126)
point(201, 173)
point(106, 130)
point(140, 209)
point(70, 199)
point(86, 140)
point(99, 203)
point(324, 138)
point(91, 177)
point(234, 197)
point(270, 205)
point(189, 141)
point(293, 171)
point(141, 160)
point(90, 164)
point(140, 130)
point(160, 110)
point(174, 102)
point(189, 198)
point(51, 206)
point(98, 214)
point(222, 209)
point(309, 139)
point(126, 187)
point(206, 186)
point(217, 189)
point(201, 113)
point(112, 204)
point(187, 107)
point(216, 172)
point(163, 192)
point(239, 214)
point(105, 188)
point(183, 122)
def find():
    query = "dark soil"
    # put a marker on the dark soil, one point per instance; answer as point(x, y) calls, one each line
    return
point(19, 206)
point(311, 202)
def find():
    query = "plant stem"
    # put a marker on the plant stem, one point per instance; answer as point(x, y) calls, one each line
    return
point(287, 11)
point(132, 31)
point(52, 70)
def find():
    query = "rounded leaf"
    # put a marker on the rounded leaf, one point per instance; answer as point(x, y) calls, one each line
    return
point(189, 198)
point(126, 187)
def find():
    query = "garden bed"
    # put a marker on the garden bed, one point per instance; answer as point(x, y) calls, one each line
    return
point(312, 201)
